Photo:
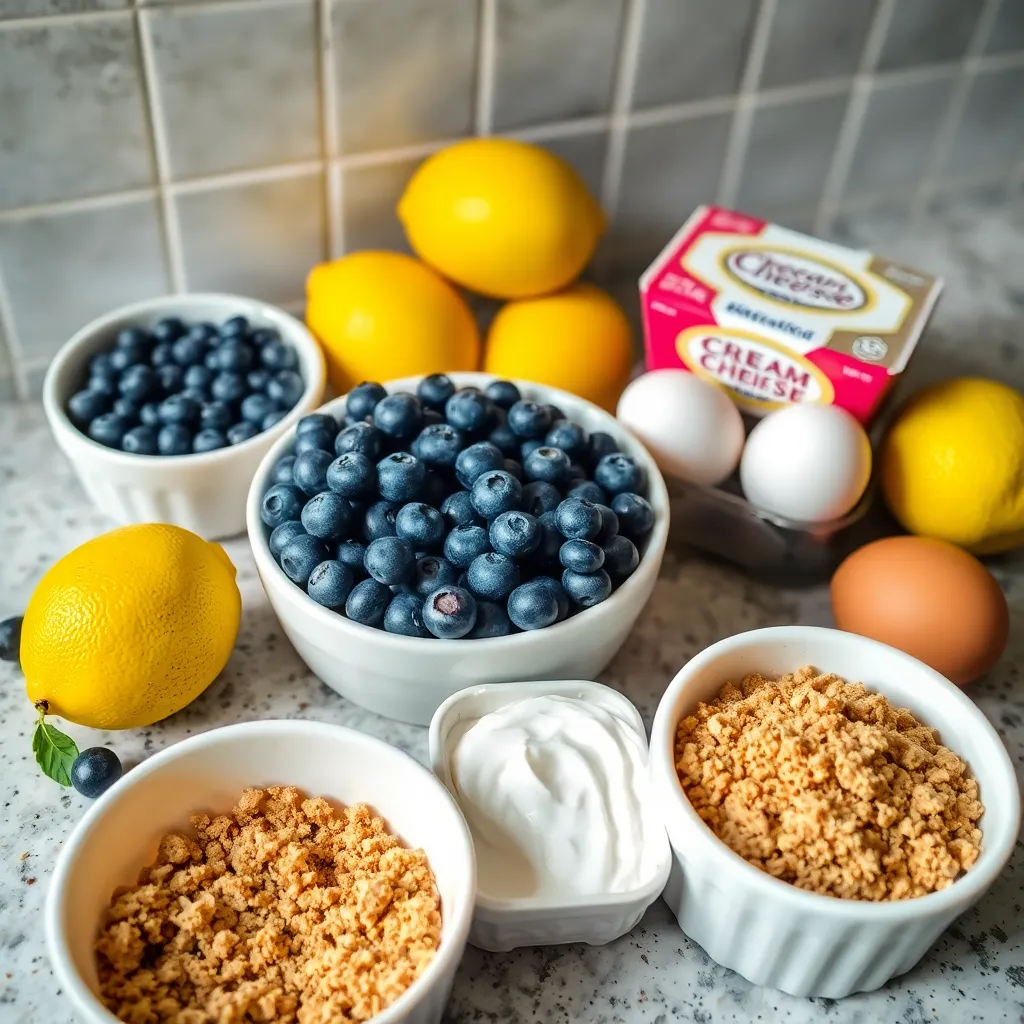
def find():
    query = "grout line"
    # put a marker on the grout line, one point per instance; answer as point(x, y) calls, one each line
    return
point(487, 58)
point(69, 18)
point(219, 5)
point(561, 129)
point(13, 343)
point(103, 201)
point(853, 119)
point(739, 132)
point(330, 131)
point(945, 137)
point(254, 176)
point(161, 153)
point(335, 210)
point(654, 116)
point(401, 154)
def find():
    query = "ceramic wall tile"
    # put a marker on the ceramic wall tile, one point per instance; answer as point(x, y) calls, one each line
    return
point(586, 153)
point(369, 198)
point(929, 32)
point(45, 8)
point(1007, 32)
point(991, 132)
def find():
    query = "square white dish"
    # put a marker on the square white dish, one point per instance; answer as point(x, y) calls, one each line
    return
point(503, 924)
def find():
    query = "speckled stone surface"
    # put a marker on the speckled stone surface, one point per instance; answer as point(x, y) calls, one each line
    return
point(974, 973)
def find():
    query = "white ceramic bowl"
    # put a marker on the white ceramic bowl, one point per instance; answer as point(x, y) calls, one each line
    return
point(769, 931)
point(503, 924)
point(119, 835)
point(407, 678)
point(203, 493)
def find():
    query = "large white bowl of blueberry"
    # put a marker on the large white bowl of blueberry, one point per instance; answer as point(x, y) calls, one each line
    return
point(166, 407)
point(434, 533)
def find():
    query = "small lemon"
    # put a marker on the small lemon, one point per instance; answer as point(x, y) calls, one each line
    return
point(381, 315)
point(503, 218)
point(578, 340)
point(130, 627)
point(952, 465)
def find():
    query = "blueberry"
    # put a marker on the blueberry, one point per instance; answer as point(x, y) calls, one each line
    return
point(138, 383)
point(479, 458)
point(149, 414)
point(438, 445)
point(503, 393)
point(527, 448)
point(492, 576)
point(398, 416)
point(198, 395)
point(401, 475)
point(404, 616)
point(587, 589)
point(330, 583)
point(390, 560)
point(282, 473)
point(352, 553)
point(561, 597)
point(513, 468)
point(162, 355)
point(204, 331)
point(636, 517)
point(435, 390)
point(588, 491)
point(578, 519)
point(235, 327)
point(368, 602)
point(620, 557)
point(141, 441)
point(551, 540)
point(108, 429)
point(464, 543)
point(282, 534)
point(85, 406)
point(174, 439)
point(618, 473)
point(310, 470)
point(229, 387)
point(352, 475)
point(256, 408)
point(242, 431)
point(263, 336)
point(171, 378)
point(432, 572)
point(276, 356)
point(504, 440)
point(197, 377)
point(577, 474)
point(491, 620)
point(495, 493)
point(458, 510)
point(600, 444)
point(211, 363)
point(421, 525)
point(179, 409)
point(10, 638)
point(257, 380)
point(235, 356)
point(317, 421)
point(540, 497)
point(120, 360)
point(285, 388)
point(548, 464)
point(300, 556)
point(363, 399)
point(568, 436)
point(189, 350)
point(169, 329)
point(529, 420)
point(312, 440)
point(95, 770)
point(449, 612)
point(327, 516)
point(360, 437)
point(468, 410)
point(581, 555)
point(609, 524)
point(273, 418)
point(216, 416)
point(281, 504)
point(126, 409)
point(379, 520)
point(431, 417)
point(515, 534)
point(532, 605)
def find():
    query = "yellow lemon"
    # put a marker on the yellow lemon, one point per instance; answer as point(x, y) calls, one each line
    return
point(501, 217)
point(130, 627)
point(381, 315)
point(952, 465)
point(578, 340)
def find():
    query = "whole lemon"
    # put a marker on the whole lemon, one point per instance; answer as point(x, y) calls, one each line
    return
point(130, 627)
point(952, 465)
point(381, 315)
point(501, 217)
point(578, 340)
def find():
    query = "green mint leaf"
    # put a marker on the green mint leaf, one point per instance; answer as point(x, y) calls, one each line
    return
point(55, 752)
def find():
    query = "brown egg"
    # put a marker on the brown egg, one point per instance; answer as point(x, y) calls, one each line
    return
point(928, 598)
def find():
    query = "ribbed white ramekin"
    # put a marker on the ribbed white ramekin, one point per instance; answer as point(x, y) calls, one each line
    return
point(769, 931)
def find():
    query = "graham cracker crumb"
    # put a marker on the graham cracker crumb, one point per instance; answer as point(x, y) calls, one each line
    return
point(825, 785)
point(285, 910)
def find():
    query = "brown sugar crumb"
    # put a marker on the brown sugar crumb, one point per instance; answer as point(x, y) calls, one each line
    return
point(825, 785)
point(285, 910)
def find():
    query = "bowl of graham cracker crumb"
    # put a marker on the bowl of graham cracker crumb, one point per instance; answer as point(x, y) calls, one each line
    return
point(287, 871)
point(832, 805)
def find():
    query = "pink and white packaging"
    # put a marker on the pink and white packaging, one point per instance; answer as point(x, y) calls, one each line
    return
point(779, 317)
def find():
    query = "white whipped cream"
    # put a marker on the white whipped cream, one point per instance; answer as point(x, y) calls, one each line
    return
point(554, 792)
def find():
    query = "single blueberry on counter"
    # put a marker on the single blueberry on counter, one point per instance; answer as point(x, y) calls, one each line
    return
point(492, 576)
point(468, 410)
point(281, 504)
point(435, 390)
point(360, 437)
point(458, 510)
point(438, 445)
point(108, 429)
point(496, 492)
point(352, 553)
point(503, 393)
point(368, 602)
point(464, 543)
point(636, 517)
point(330, 583)
point(326, 515)
point(548, 464)
point(449, 612)
point(432, 572)
point(404, 616)
point(491, 620)
point(282, 534)
point(587, 589)
point(10, 638)
point(95, 770)
point(620, 557)
point(581, 555)
point(141, 441)
point(242, 431)
point(85, 406)
point(398, 416)
point(421, 525)
point(379, 520)
point(529, 421)
point(400, 476)
point(310, 471)
point(300, 556)
point(479, 458)
point(174, 439)
point(515, 534)
point(363, 399)
point(617, 473)
point(352, 475)
point(390, 560)
point(578, 519)
point(532, 605)
point(540, 497)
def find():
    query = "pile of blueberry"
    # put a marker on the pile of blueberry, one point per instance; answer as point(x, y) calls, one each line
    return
point(183, 389)
point(454, 514)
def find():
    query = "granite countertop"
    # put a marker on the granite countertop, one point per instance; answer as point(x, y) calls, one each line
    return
point(974, 973)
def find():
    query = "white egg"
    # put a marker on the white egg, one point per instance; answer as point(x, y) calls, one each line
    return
point(810, 463)
point(690, 426)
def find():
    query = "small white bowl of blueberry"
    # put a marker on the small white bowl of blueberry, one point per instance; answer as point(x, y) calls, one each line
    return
point(166, 407)
point(434, 533)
